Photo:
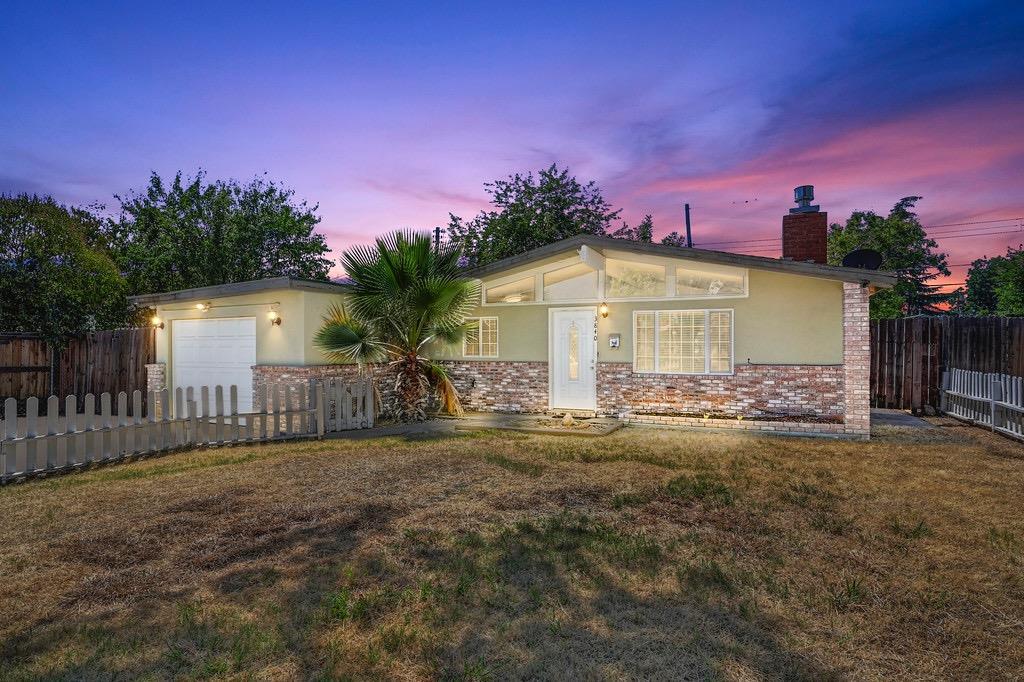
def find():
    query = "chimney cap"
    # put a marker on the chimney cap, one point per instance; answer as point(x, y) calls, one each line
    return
point(803, 196)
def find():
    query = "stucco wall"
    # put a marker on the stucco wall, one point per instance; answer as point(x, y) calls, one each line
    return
point(786, 319)
point(291, 343)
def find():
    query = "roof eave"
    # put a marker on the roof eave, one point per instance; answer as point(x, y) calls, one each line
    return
point(871, 277)
point(237, 289)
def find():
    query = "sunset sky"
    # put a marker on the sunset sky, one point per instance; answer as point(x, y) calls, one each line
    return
point(394, 114)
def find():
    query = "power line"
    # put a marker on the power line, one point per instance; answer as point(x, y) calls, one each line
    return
point(973, 222)
point(978, 234)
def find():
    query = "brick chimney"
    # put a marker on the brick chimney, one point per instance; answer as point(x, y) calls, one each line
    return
point(805, 228)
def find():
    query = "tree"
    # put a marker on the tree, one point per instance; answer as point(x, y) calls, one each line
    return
point(674, 239)
point(995, 286)
point(644, 232)
point(405, 296)
point(530, 212)
point(193, 233)
point(906, 250)
point(56, 277)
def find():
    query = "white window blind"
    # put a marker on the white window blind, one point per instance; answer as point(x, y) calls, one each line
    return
point(683, 341)
point(481, 340)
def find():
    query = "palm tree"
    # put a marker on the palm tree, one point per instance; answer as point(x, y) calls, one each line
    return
point(405, 297)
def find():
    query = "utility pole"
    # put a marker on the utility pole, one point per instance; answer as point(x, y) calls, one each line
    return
point(689, 238)
point(437, 238)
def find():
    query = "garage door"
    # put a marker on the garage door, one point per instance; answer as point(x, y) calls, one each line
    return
point(215, 352)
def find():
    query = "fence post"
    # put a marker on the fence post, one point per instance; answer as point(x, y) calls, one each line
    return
point(320, 398)
point(997, 397)
point(943, 399)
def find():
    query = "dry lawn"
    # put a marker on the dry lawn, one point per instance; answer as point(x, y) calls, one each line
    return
point(646, 554)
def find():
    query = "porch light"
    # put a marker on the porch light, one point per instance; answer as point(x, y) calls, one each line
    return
point(603, 309)
point(156, 322)
point(202, 307)
point(513, 298)
point(274, 317)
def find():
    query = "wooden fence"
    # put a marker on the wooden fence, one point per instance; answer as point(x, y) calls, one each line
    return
point(909, 355)
point(987, 398)
point(99, 362)
point(72, 434)
point(350, 404)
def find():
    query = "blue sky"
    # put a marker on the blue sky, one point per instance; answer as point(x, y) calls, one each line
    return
point(393, 114)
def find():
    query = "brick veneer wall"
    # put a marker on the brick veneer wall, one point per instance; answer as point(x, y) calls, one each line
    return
point(752, 390)
point(485, 386)
point(492, 386)
point(293, 375)
point(856, 360)
point(156, 380)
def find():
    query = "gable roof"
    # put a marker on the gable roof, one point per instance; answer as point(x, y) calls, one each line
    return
point(873, 277)
point(239, 288)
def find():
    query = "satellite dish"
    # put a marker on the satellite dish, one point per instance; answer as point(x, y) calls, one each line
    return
point(865, 259)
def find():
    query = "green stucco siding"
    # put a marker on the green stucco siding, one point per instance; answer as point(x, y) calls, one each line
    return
point(786, 319)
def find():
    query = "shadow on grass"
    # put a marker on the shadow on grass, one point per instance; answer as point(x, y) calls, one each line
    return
point(216, 586)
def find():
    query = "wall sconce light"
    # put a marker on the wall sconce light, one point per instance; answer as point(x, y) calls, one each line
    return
point(603, 309)
point(274, 317)
point(202, 307)
point(156, 322)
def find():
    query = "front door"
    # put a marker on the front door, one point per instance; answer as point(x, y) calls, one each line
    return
point(573, 349)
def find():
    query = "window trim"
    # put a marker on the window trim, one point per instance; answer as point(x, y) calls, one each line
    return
point(707, 341)
point(497, 337)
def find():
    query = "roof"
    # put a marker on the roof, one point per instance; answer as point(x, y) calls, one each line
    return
point(239, 288)
point(872, 277)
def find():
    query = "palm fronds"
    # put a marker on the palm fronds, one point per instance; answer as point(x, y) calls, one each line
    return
point(405, 294)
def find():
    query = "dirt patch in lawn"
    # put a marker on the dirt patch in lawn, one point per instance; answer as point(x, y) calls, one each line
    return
point(502, 555)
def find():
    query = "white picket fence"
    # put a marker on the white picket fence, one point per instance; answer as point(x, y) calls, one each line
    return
point(985, 398)
point(79, 436)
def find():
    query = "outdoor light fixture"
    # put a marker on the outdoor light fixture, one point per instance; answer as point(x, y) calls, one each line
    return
point(202, 307)
point(274, 317)
point(156, 322)
point(603, 309)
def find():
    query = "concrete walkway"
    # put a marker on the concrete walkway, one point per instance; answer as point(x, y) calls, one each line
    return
point(881, 417)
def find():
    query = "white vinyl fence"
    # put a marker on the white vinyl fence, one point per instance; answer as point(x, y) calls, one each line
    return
point(989, 399)
point(79, 435)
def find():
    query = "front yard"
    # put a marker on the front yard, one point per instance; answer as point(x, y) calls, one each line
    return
point(645, 554)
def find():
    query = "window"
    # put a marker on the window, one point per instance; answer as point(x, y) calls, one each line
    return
point(571, 283)
point(481, 340)
point(709, 280)
point(626, 279)
point(683, 341)
point(574, 352)
point(514, 292)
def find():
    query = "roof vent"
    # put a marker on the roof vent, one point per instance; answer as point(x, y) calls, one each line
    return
point(803, 196)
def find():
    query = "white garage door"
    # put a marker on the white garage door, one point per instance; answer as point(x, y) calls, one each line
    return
point(215, 352)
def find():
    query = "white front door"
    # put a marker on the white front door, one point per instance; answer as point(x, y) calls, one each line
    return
point(573, 350)
point(215, 352)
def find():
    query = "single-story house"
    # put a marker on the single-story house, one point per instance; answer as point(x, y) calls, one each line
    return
point(641, 331)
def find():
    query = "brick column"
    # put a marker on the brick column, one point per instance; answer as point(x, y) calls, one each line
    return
point(156, 380)
point(856, 360)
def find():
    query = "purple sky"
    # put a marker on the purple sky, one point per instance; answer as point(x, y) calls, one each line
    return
point(392, 115)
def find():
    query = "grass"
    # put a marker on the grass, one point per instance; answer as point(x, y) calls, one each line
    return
point(645, 554)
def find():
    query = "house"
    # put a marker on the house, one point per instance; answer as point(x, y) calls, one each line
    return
point(645, 332)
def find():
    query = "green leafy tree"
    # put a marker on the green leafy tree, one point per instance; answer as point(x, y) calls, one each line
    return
point(56, 277)
point(191, 233)
point(995, 286)
point(906, 250)
point(531, 211)
point(644, 232)
point(674, 239)
point(405, 296)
